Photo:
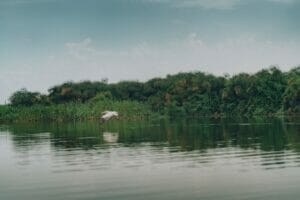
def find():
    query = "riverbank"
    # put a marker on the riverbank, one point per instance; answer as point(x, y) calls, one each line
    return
point(73, 111)
point(129, 110)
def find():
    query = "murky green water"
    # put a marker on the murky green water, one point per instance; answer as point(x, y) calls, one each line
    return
point(182, 159)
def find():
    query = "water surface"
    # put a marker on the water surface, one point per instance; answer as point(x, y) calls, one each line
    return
point(180, 159)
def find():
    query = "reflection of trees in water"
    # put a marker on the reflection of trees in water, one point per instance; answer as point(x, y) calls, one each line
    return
point(77, 136)
point(266, 135)
point(267, 141)
point(28, 137)
point(202, 134)
point(292, 131)
point(61, 136)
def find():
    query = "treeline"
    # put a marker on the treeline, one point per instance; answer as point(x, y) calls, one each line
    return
point(267, 92)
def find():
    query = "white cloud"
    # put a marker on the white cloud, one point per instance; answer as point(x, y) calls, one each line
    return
point(20, 2)
point(206, 4)
point(210, 4)
point(143, 60)
point(83, 50)
point(283, 1)
point(193, 40)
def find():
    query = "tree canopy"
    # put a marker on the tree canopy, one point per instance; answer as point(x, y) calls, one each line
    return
point(265, 92)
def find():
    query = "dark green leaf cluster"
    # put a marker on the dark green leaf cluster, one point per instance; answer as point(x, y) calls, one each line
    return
point(27, 98)
point(266, 92)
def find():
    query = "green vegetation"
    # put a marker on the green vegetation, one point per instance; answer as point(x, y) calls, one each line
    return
point(267, 92)
point(73, 111)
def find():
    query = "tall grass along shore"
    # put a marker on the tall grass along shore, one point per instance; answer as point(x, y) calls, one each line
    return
point(73, 111)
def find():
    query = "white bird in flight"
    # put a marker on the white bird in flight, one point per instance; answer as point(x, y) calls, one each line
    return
point(107, 115)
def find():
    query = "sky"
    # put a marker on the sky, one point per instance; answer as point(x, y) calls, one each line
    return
point(47, 42)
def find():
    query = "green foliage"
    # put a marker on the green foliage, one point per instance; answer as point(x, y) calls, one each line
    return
point(260, 93)
point(73, 111)
point(82, 91)
point(291, 99)
point(267, 92)
point(102, 96)
point(127, 90)
point(26, 98)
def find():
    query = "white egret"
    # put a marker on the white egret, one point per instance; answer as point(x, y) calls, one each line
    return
point(107, 115)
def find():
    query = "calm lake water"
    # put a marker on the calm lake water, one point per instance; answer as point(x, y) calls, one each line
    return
point(181, 159)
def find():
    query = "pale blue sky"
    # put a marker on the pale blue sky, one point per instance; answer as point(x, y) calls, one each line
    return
point(47, 42)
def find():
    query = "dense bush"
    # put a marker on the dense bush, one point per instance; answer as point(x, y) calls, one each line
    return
point(291, 97)
point(26, 98)
point(268, 91)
